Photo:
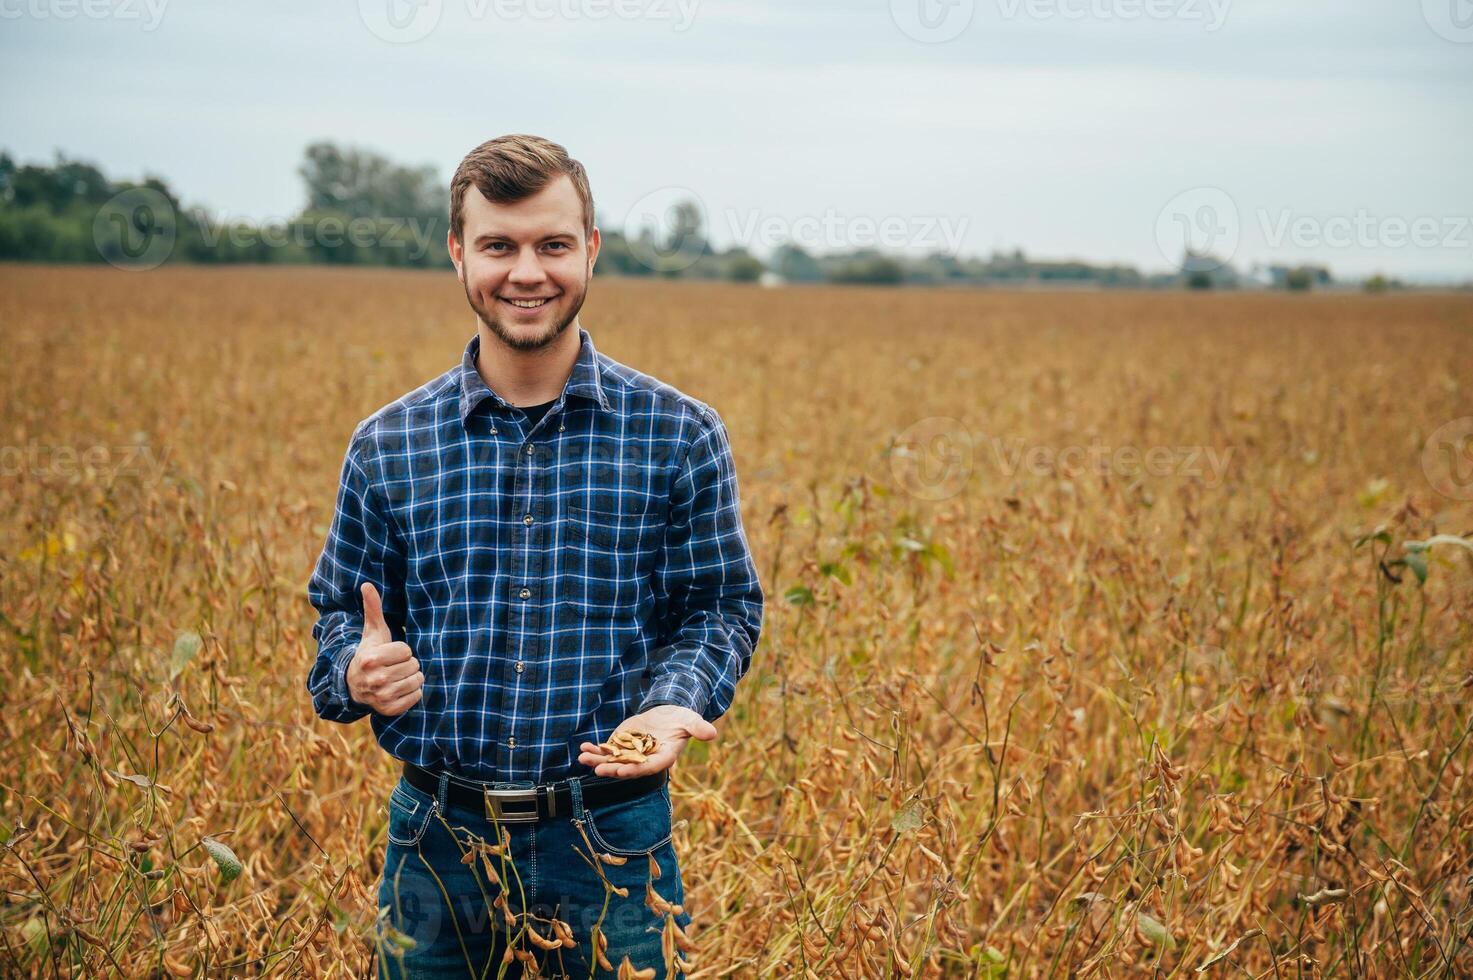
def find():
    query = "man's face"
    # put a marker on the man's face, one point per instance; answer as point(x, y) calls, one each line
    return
point(525, 266)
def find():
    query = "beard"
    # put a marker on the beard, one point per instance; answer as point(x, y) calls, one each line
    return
point(521, 342)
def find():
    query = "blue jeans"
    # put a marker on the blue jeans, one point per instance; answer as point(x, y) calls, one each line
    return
point(441, 915)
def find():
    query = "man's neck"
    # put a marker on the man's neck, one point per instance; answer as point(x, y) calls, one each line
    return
point(528, 377)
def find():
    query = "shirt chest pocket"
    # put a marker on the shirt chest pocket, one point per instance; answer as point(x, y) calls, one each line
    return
point(625, 529)
point(610, 555)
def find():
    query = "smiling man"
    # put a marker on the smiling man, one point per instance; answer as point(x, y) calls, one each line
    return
point(535, 550)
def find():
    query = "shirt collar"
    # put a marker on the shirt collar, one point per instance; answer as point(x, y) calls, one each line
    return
point(584, 381)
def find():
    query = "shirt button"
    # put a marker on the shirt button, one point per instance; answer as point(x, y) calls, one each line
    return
point(525, 593)
point(527, 520)
point(519, 666)
point(529, 449)
point(511, 743)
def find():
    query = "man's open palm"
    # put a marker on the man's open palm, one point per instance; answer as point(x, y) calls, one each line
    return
point(671, 725)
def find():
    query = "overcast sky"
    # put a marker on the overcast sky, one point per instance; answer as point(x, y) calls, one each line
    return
point(1272, 130)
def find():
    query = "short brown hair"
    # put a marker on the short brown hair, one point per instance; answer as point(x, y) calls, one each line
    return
point(509, 168)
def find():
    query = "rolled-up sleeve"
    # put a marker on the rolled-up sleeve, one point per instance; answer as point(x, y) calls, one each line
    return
point(361, 546)
point(706, 575)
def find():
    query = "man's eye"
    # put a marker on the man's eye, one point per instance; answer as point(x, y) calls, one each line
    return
point(502, 246)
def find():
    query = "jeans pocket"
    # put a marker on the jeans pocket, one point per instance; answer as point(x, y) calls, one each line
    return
point(631, 827)
point(409, 814)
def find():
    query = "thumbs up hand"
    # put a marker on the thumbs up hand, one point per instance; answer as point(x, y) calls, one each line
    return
point(383, 674)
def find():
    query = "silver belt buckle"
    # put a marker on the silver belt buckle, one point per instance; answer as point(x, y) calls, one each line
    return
point(496, 800)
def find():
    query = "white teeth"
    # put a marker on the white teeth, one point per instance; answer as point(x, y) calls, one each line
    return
point(527, 304)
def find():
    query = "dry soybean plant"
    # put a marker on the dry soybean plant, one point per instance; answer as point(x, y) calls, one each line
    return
point(1106, 635)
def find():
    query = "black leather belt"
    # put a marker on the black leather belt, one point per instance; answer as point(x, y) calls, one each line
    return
point(534, 803)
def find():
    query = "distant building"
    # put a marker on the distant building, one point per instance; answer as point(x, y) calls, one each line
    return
point(1200, 270)
point(1299, 277)
point(1258, 276)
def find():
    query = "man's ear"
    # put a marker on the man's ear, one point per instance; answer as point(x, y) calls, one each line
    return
point(593, 244)
point(457, 256)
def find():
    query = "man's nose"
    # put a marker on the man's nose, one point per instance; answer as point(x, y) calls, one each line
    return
point(527, 269)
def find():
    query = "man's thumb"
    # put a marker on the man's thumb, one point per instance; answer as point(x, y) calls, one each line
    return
point(374, 627)
point(703, 730)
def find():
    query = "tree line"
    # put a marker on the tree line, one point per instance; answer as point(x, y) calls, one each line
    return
point(361, 208)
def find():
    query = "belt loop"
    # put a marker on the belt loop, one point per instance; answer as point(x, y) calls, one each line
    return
point(443, 788)
point(575, 789)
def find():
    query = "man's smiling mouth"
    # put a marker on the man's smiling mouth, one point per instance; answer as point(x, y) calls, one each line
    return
point(527, 304)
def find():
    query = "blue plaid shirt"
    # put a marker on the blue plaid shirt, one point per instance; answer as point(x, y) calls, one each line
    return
point(552, 580)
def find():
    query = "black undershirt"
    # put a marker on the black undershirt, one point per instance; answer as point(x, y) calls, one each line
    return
point(535, 412)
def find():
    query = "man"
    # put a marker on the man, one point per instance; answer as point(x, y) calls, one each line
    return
point(535, 551)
